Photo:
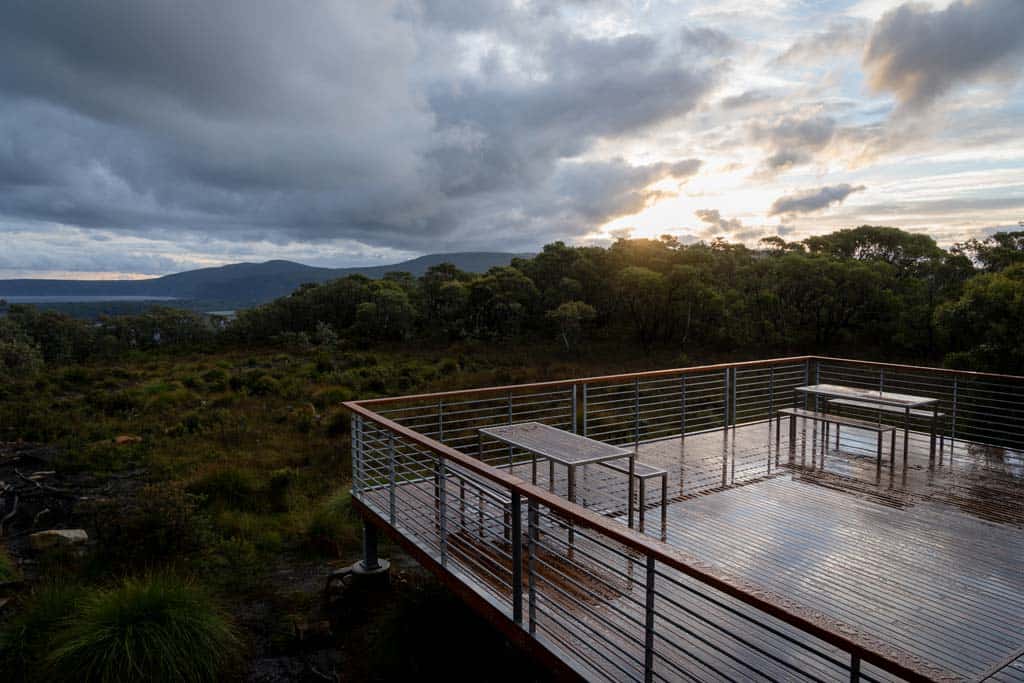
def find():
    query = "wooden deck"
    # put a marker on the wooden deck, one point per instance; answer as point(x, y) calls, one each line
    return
point(927, 558)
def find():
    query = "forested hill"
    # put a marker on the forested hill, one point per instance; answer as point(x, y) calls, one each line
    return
point(869, 291)
point(244, 284)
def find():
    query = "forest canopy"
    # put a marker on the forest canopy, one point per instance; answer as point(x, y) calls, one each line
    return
point(864, 291)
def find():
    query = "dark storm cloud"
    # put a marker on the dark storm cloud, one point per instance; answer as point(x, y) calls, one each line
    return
point(253, 121)
point(816, 199)
point(919, 53)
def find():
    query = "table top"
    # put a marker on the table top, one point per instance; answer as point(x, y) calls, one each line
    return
point(888, 398)
point(555, 444)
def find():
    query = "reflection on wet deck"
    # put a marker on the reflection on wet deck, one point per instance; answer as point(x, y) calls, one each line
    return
point(927, 556)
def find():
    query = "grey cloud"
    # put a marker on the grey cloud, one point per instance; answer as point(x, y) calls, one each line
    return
point(816, 199)
point(792, 140)
point(919, 53)
point(703, 41)
point(250, 121)
point(717, 226)
point(745, 99)
point(842, 35)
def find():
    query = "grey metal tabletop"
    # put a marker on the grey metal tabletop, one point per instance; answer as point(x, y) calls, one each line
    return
point(888, 398)
point(555, 444)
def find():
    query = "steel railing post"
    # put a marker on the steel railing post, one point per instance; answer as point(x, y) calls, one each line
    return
point(510, 449)
point(532, 521)
point(735, 395)
point(649, 623)
point(636, 416)
point(725, 399)
point(952, 437)
point(575, 428)
point(682, 406)
point(440, 420)
point(442, 510)
point(391, 479)
point(357, 453)
point(584, 410)
point(517, 559)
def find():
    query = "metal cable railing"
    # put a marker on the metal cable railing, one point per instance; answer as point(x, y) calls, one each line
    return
point(609, 602)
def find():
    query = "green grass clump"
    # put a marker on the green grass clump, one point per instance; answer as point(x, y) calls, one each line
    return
point(28, 638)
point(231, 487)
point(334, 527)
point(155, 629)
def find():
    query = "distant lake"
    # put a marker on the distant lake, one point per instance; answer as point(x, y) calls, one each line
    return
point(79, 298)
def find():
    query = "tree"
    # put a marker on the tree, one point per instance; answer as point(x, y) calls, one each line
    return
point(873, 243)
point(994, 253)
point(642, 295)
point(983, 326)
point(570, 317)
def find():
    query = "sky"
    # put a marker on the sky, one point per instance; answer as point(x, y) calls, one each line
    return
point(142, 138)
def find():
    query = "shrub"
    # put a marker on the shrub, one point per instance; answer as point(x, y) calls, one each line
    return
point(8, 572)
point(155, 629)
point(280, 488)
point(28, 637)
point(334, 527)
point(230, 487)
point(162, 522)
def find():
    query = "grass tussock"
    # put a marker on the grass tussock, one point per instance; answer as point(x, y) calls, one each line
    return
point(155, 629)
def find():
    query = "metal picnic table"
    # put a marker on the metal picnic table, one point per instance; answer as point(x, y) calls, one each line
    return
point(566, 448)
point(881, 399)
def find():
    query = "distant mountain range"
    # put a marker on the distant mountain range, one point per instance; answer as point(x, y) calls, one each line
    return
point(241, 284)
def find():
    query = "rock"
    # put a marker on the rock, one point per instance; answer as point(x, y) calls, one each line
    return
point(125, 439)
point(52, 538)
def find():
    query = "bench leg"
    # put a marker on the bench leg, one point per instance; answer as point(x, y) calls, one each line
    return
point(892, 449)
point(792, 431)
point(837, 436)
point(778, 428)
point(879, 448)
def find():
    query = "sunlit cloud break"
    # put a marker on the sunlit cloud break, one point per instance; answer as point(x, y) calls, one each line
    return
point(143, 138)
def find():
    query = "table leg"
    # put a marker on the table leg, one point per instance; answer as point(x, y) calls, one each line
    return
point(778, 428)
point(935, 418)
point(906, 435)
point(892, 449)
point(551, 476)
point(533, 467)
point(879, 448)
point(837, 436)
point(630, 498)
point(643, 497)
point(571, 475)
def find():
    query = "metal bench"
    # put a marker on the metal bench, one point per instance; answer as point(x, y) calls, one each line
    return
point(894, 410)
point(642, 472)
point(838, 420)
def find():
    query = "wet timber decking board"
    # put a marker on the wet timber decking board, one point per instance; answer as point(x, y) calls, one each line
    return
point(927, 557)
